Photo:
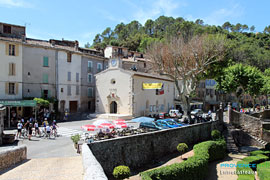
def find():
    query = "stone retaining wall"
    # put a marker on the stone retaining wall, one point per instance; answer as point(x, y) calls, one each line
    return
point(92, 168)
point(11, 156)
point(247, 123)
point(138, 150)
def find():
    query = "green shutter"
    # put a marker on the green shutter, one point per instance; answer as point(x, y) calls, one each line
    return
point(45, 61)
point(49, 93)
point(45, 78)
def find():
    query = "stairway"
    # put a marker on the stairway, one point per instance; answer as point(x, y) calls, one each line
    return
point(231, 146)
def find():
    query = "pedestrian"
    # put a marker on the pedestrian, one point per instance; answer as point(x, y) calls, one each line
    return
point(19, 128)
point(48, 130)
point(22, 121)
point(30, 130)
point(36, 128)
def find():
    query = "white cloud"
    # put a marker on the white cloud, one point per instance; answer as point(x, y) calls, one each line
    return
point(15, 3)
point(220, 16)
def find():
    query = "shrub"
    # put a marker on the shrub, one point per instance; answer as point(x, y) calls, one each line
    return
point(249, 173)
point(182, 148)
point(196, 167)
point(215, 134)
point(263, 170)
point(121, 172)
point(250, 160)
point(254, 153)
point(75, 138)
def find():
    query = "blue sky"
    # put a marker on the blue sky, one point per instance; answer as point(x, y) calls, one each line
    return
point(83, 19)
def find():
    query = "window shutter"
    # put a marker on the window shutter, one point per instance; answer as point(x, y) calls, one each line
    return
point(17, 87)
point(42, 93)
point(7, 87)
point(16, 50)
point(10, 69)
point(14, 69)
point(49, 93)
point(7, 49)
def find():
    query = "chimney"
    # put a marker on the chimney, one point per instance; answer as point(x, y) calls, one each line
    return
point(76, 45)
point(23, 38)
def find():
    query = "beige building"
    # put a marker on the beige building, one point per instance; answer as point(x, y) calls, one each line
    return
point(120, 91)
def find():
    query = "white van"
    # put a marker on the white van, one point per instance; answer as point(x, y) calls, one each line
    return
point(175, 113)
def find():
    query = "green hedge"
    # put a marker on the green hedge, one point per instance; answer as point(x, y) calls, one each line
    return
point(256, 159)
point(250, 176)
point(250, 160)
point(196, 167)
point(254, 153)
point(263, 170)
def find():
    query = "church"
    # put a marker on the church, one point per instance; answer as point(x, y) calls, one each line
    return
point(128, 92)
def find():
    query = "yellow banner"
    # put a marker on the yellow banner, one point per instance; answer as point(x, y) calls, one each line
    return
point(152, 85)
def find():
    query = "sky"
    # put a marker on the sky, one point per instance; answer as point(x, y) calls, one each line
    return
point(82, 19)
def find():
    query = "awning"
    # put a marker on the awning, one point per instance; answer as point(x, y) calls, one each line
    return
point(19, 103)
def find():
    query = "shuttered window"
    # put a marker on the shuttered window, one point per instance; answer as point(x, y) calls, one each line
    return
point(77, 77)
point(89, 78)
point(45, 78)
point(45, 61)
point(11, 50)
point(12, 69)
point(69, 56)
point(69, 76)
point(90, 92)
point(11, 88)
point(69, 90)
point(99, 67)
point(77, 90)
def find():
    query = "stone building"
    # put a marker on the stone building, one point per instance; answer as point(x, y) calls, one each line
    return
point(48, 69)
point(120, 91)
point(90, 65)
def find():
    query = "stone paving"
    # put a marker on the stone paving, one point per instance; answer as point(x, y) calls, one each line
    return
point(65, 168)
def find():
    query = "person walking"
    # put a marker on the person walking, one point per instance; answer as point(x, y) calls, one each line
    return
point(36, 128)
point(30, 130)
point(19, 128)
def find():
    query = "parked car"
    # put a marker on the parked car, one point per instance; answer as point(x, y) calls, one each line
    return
point(153, 125)
point(169, 123)
point(163, 115)
point(196, 112)
point(175, 113)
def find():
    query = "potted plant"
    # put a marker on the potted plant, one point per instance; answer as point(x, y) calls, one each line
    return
point(76, 138)
point(182, 148)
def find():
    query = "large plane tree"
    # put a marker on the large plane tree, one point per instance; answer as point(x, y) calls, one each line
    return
point(186, 60)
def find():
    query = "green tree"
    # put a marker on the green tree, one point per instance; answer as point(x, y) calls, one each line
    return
point(267, 29)
point(240, 79)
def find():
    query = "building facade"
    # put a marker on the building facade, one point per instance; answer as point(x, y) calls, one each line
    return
point(90, 65)
point(39, 71)
point(120, 91)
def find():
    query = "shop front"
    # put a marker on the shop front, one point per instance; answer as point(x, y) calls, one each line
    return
point(17, 109)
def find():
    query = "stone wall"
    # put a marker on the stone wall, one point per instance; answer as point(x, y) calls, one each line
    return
point(247, 123)
point(92, 168)
point(138, 150)
point(12, 155)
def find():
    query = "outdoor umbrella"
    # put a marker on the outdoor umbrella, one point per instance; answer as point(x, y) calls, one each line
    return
point(107, 125)
point(121, 125)
point(100, 121)
point(90, 127)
